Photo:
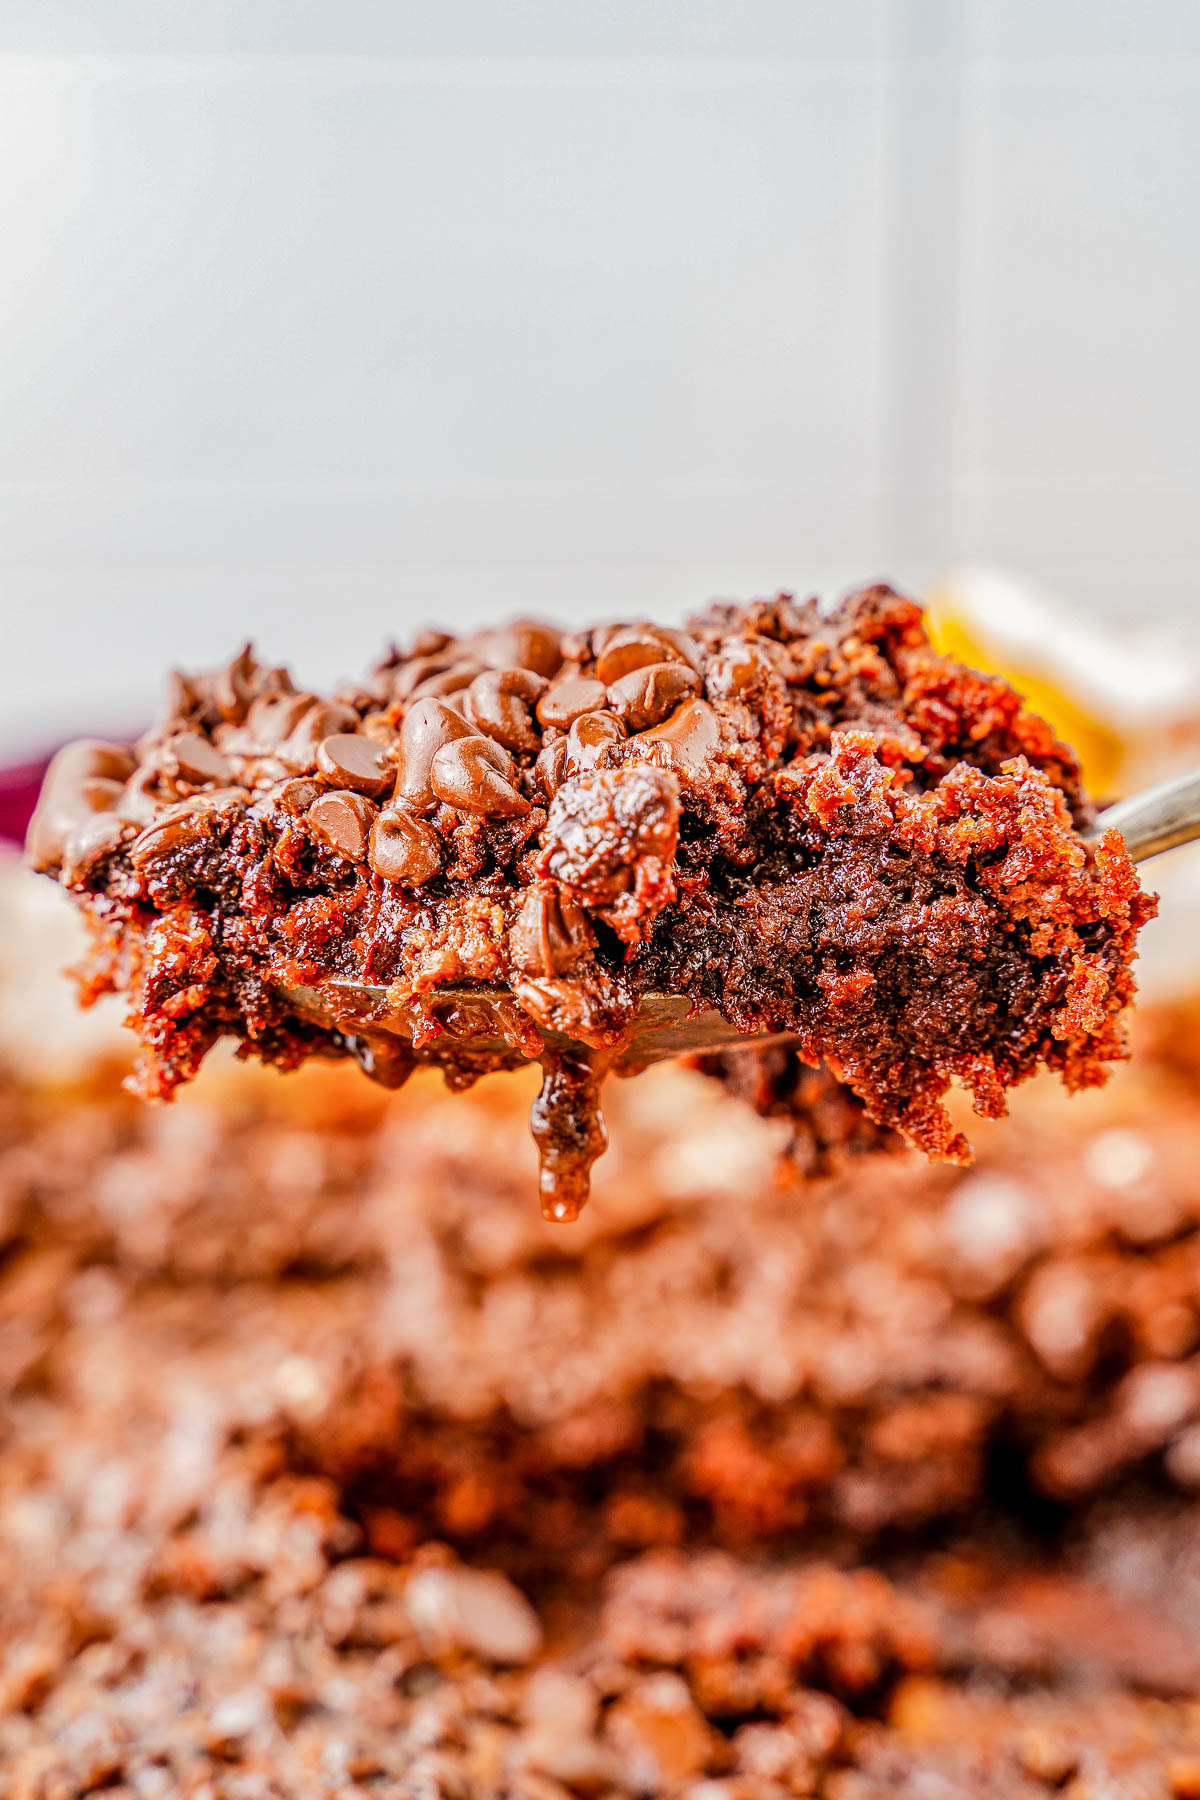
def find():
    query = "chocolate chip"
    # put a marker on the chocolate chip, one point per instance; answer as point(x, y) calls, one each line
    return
point(691, 734)
point(140, 799)
point(379, 728)
point(429, 724)
point(70, 796)
point(589, 737)
point(524, 644)
point(623, 648)
point(406, 676)
point(477, 775)
point(550, 769)
point(91, 842)
point(499, 701)
point(646, 696)
point(354, 762)
point(195, 759)
point(739, 667)
point(342, 822)
point(568, 699)
point(429, 642)
point(550, 933)
point(180, 827)
point(271, 719)
point(296, 796)
point(325, 719)
point(234, 687)
point(185, 699)
point(448, 681)
point(403, 849)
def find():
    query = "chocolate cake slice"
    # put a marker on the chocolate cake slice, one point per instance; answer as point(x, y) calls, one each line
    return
point(511, 846)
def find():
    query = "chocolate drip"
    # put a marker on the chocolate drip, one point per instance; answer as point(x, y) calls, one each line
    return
point(568, 1129)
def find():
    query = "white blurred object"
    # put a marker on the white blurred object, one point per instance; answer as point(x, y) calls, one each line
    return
point(1138, 677)
point(45, 1035)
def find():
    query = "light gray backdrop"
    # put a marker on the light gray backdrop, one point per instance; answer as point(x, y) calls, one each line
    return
point(320, 319)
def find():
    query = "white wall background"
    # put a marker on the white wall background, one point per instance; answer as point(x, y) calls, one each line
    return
point(318, 319)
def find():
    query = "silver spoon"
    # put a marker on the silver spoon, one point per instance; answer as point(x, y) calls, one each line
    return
point(473, 1018)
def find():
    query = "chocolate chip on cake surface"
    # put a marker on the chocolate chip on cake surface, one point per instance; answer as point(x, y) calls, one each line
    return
point(270, 720)
point(477, 775)
point(647, 695)
point(196, 759)
point(296, 795)
point(350, 760)
point(429, 724)
point(342, 821)
point(83, 779)
point(500, 701)
point(523, 644)
point(589, 737)
point(622, 648)
point(568, 698)
point(323, 720)
point(550, 934)
point(180, 827)
point(403, 848)
point(690, 735)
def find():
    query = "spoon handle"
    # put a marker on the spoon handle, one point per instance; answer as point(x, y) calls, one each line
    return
point(1157, 819)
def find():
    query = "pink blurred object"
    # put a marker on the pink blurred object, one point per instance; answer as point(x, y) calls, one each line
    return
point(19, 788)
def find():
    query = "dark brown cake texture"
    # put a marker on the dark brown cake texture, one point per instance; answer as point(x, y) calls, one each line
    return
point(803, 818)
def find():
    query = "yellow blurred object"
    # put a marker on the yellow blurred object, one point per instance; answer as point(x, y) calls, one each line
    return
point(1100, 749)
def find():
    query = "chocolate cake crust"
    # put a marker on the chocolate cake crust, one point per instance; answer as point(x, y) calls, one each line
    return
point(804, 819)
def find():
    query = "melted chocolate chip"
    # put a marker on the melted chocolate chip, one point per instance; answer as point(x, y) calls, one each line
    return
point(191, 756)
point(569, 1131)
point(550, 769)
point(568, 699)
point(690, 735)
point(429, 725)
point(352, 761)
point(325, 719)
point(525, 644)
point(500, 701)
point(403, 849)
point(342, 821)
point(234, 687)
point(550, 933)
point(447, 681)
point(646, 696)
point(296, 796)
point(477, 775)
point(588, 739)
point(179, 828)
point(622, 648)
point(71, 796)
point(90, 842)
point(271, 719)
point(736, 671)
